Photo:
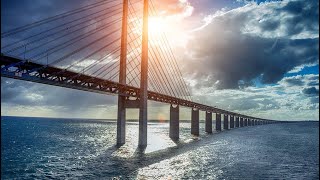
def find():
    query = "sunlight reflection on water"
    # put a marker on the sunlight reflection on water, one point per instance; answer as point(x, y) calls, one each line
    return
point(38, 149)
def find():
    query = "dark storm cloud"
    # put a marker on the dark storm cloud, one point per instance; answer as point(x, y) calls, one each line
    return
point(308, 80)
point(313, 83)
point(294, 81)
point(255, 41)
point(311, 91)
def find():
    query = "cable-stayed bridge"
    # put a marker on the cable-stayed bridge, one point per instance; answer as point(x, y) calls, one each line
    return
point(105, 47)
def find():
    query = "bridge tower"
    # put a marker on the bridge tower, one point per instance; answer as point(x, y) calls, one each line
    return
point(124, 101)
point(121, 121)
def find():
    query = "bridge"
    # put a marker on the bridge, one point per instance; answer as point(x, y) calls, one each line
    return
point(105, 47)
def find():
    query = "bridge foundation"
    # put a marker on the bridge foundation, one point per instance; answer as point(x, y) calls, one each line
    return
point(174, 122)
point(237, 122)
point(218, 122)
point(195, 121)
point(208, 127)
point(241, 121)
point(226, 121)
point(231, 122)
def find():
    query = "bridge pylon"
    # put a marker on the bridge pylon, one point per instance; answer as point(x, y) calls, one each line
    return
point(141, 102)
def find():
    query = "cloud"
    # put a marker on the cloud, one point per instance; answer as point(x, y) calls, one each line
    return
point(238, 46)
point(300, 80)
point(181, 8)
point(312, 91)
point(298, 69)
point(290, 97)
point(17, 93)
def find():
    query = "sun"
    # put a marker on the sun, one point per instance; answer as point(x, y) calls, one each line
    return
point(156, 26)
point(161, 28)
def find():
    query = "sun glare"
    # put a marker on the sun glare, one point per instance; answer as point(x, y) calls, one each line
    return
point(156, 26)
point(170, 27)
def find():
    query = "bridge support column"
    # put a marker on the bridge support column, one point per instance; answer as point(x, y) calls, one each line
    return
point(195, 121)
point(174, 122)
point(241, 121)
point(226, 121)
point(218, 122)
point(245, 122)
point(208, 122)
point(231, 122)
point(237, 122)
point(121, 120)
point(249, 122)
point(143, 111)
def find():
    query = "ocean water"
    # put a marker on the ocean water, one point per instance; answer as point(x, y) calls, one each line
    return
point(40, 148)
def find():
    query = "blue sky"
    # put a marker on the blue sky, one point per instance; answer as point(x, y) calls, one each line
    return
point(254, 57)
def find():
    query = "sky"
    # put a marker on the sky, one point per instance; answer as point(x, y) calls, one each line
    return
point(258, 58)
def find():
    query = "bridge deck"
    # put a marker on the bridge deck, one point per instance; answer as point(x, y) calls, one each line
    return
point(16, 68)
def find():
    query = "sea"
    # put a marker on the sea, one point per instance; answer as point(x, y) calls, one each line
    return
point(47, 148)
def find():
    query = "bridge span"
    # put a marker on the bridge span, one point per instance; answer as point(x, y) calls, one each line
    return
point(15, 68)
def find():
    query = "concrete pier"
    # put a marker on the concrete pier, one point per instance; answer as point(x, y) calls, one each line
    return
point(208, 127)
point(174, 122)
point(218, 122)
point(195, 121)
point(245, 122)
point(226, 121)
point(237, 122)
point(241, 121)
point(231, 122)
point(121, 120)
